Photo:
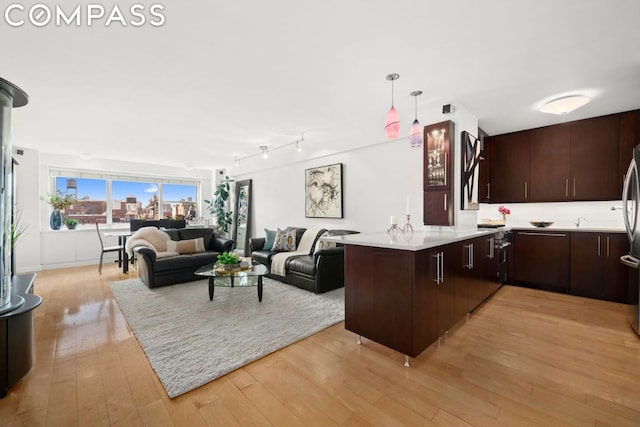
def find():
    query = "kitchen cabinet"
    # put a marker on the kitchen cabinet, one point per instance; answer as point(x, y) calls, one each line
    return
point(629, 128)
point(510, 173)
point(550, 163)
point(596, 270)
point(438, 173)
point(595, 156)
point(406, 299)
point(484, 175)
point(542, 259)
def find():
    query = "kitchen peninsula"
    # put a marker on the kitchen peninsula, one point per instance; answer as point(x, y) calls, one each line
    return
point(408, 289)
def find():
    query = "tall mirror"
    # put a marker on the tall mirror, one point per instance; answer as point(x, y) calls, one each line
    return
point(242, 217)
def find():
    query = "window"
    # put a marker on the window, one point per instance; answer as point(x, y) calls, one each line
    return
point(114, 199)
point(91, 195)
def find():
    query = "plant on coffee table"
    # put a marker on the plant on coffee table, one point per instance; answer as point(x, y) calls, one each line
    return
point(228, 261)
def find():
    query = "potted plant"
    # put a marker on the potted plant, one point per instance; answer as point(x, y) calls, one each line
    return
point(228, 261)
point(59, 201)
point(218, 207)
point(71, 223)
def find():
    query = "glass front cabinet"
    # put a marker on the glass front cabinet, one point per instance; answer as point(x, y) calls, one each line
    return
point(438, 173)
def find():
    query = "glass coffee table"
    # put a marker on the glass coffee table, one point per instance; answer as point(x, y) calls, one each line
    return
point(245, 275)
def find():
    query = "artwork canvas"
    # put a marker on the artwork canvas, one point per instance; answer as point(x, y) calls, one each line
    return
point(470, 170)
point(323, 192)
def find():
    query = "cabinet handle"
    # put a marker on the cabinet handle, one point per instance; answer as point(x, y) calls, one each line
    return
point(471, 256)
point(445, 168)
point(608, 252)
point(467, 265)
point(437, 257)
point(574, 187)
point(526, 189)
point(566, 187)
point(598, 245)
point(445, 201)
point(488, 197)
point(491, 244)
point(543, 234)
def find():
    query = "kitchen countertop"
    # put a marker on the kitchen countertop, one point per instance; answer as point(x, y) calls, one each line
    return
point(569, 228)
point(415, 241)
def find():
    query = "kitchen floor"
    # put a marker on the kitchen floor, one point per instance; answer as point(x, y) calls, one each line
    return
point(525, 357)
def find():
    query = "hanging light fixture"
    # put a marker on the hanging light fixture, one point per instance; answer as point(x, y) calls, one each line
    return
point(392, 124)
point(415, 134)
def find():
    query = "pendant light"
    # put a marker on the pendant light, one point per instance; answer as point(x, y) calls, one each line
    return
point(392, 125)
point(415, 134)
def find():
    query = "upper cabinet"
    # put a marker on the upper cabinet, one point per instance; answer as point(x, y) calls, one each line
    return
point(583, 160)
point(510, 171)
point(439, 140)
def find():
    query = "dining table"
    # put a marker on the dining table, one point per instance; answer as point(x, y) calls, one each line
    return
point(122, 235)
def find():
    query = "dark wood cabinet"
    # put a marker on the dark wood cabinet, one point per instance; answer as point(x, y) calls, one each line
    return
point(484, 175)
point(629, 128)
point(595, 156)
point(405, 300)
point(439, 142)
point(550, 163)
point(510, 173)
point(596, 270)
point(542, 259)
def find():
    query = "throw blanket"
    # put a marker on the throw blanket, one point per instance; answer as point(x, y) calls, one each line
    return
point(150, 237)
point(279, 260)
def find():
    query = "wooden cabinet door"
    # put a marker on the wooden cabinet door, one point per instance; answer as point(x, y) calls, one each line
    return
point(438, 208)
point(595, 156)
point(629, 138)
point(446, 290)
point(462, 269)
point(425, 305)
point(615, 274)
point(586, 264)
point(549, 163)
point(510, 174)
point(542, 259)
point(484, 178)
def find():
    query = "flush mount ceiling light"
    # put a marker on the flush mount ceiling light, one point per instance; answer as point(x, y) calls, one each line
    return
point(265, 151)
point(565, 104)
point(392, 124)
point(415, 134)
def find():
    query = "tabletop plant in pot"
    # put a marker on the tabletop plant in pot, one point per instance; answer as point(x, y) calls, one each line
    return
point(227, 261)
point(59, 201)
point(218, 206)
point(71, 223)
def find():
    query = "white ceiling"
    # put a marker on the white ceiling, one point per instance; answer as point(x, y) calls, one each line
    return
point(218, 79)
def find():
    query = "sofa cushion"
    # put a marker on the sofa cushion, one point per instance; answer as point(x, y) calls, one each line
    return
point(173, 233)
point(204, 258)
point(269, 239)
point(179, 262)
point(193, 233)
point(320, 244)
point(299, 232)
point(188, 246)
point(285, 241)
point(302, 264)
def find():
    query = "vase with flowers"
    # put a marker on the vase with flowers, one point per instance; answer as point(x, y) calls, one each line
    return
point(59, 201)
point(504, 212)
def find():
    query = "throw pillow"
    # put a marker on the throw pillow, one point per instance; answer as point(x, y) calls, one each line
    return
point(190, 246)
point(269, 239)
point(285, 241)
point(320, 244)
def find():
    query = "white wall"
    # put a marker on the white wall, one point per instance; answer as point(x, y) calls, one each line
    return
point(377, 179)
point(38, 248)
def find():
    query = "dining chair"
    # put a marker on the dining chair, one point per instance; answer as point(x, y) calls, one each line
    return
point(118, 248)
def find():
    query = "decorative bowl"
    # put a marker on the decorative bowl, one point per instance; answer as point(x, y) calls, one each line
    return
point(541, 224)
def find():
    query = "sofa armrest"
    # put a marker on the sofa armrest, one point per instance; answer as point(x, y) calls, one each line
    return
point(329, 269)
point(220, 244)
point(256, 243)
point(147, 253)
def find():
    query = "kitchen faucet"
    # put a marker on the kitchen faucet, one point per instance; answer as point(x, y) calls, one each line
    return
point(579, 218)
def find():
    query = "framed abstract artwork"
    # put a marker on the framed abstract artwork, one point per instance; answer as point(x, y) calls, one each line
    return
point(470, 171)
point(323, 191)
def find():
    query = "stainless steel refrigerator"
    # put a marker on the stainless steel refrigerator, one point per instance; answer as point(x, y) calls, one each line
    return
point(630, 212)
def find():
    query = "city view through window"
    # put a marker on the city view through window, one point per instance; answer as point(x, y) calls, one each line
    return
point(128, 200)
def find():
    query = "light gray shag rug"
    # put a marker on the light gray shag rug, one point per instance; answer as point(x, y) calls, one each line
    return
point(191, 341)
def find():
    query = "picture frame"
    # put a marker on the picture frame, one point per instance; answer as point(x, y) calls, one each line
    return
point(323, 196)
point(471, 156)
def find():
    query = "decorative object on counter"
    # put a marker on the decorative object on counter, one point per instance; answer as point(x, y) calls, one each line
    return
point(416, 135)
point(392, 124)
point(470, 171)
point(394, 229)
point(59, 201)
point(504, 212)
point(407, 227)
point(71, 223)
point(541, 224)
point(323, 191)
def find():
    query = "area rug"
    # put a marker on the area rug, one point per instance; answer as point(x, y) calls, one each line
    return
point(191, 341)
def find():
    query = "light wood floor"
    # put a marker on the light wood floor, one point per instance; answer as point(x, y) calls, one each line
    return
point(525, 358)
